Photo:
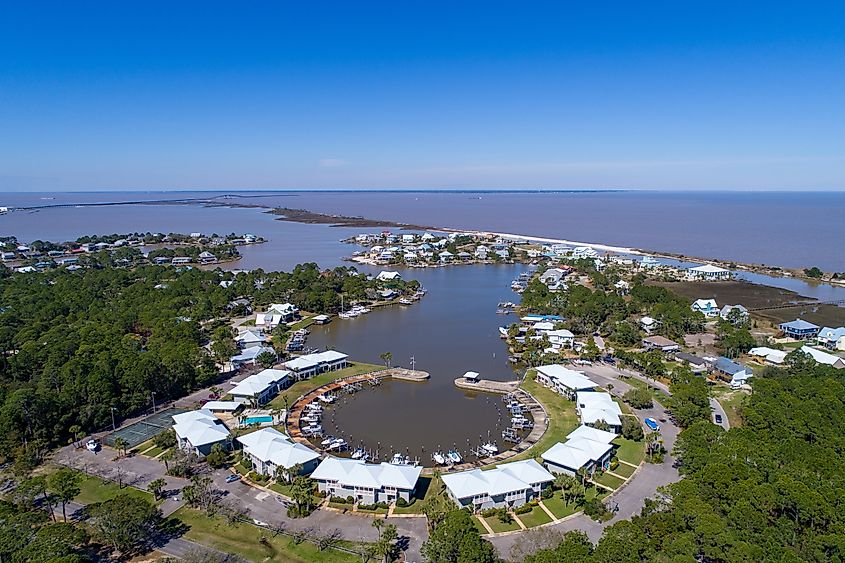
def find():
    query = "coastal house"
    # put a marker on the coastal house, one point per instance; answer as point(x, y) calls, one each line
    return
point(563, 380)
point(622, 288)
point(648, 324)
point(833, 338)
point(271, 452)
point(799, 329)
point(593, 407)
point(764, 354)
point(464, 256)
point(407, 239)
point(584, 252)
point(543, 327)
point(276, 314)
point(249, 356)
point(509, 485)
point(181, 260)
point(446, 256)
point(649, 262)
point(222, 406)
point(707, 307)
point(9, 256)
point(249, 338)
point(708, 272)
point(561, 338)
point(427, 237)
point(481, 252)
point(388, 276)
point(660, 343)
point(309, 365)
point(696, 364)
point(736, 314)
point(585, 448)
point(823, 357)
point(206, 257)
point(198, 431)
point(366, 483)
point(259, 388)
point(553, 276)
point(735, 373)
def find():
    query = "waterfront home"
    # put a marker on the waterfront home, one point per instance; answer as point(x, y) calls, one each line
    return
point(585, 448)
point(622, 288)
point(259, 388)
point(250, 338)
point(735, 373)
point(503, 253)
point(309, 365)
point(26, 269)
point(198, 431)
point(708, 272)
point(553, 276)
point(707, 307)
point(833, 338)
point(206, 257)
point(411, 256)
point(660, 343)
point(472, 377)
point(481, 252)
point(560, 250)
point(446, 256)
point(366, 483)
point(824, 357)
point(9, 256)
point(696, 364)
point(407, 238)
point(427, 237)
point(543, 327)
point(321, 319)
point(180, 260)
point(388, 294)
point(734, 313)
point(464, 256)
point(276, 314)
point(799, 329)
point(388, 276)
point(584, 252)
point(561, 338)
point(648, 324)
point(509, 485)
point(272, 452)
point(649, 262)
point(160, 260)
point(593, 407)
point(768, 355)
point(250, 355)
point(563, 380)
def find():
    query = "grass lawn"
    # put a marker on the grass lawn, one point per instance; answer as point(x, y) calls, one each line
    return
point(93, 489)
point(609, 481)
point(561, 413)
point(479, 526)
point(140, 448)
point(376, 511)
point(340, 506)
point(244, 540)
point(536, 517)
point(558, 507)
point(499, 526)
point(413, 508)
point(630, 451)
point(302, 324)
point(732, 402)
point(301, 387)
point(624, 470)
point(153, 452)
point(242, 471)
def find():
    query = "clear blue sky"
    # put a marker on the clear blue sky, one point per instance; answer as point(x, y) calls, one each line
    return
point(401, 94)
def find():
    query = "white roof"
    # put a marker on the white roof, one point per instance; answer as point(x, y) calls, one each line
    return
point(592, 415)
point(594, 434)
point(283, 308)
point(270, 445)
point(384, 276)
point(562, 333)
point(544, 325)
point(251, 336)
point(566, 377)
point(770, 354)
point(647, 321)
point(596, 406)
point(472, 375)
point(221, 405)
point(355, 472)
point(565, 456)
point(823, 357)
point(251, 353)
point(308, 361)
point(705, 304)
point(708, 269)
point(257, 384)
point(200, 427)
point(505, 478)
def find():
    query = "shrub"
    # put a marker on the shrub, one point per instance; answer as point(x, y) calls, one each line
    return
point(631, 429)
point(547, 493)
point(639, 398)
point(524, 509)
point(596, 509)
point(401, 502)
point(613, 465)
point(339, 500)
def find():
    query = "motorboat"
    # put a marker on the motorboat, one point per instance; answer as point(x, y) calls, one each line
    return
point(405, 301)
point(359, 453)
point(455, 457)
point(490, 448)
point(503, 332)
point(327, 398)
point(92, 445)
point(439, 458)
point(327, 441)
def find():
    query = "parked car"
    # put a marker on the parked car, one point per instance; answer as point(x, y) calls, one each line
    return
point(92, 445)
point(652, 424)
point(718, 419)
point(232, 478)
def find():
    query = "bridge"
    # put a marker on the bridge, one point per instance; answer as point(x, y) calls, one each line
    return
point(837, 302)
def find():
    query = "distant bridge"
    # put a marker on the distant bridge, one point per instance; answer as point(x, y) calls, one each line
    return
point(838, 302)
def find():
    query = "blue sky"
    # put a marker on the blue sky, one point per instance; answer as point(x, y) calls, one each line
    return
point(402, 94)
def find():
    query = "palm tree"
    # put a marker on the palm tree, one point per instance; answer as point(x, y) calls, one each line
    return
point(120, 445)
point(386, 357)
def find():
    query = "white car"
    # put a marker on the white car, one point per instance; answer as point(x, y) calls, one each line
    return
point(92, 445)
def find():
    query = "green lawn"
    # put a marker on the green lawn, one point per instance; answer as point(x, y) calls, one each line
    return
point(140, 448)
point(153, 452)
point(413, 508)
point(340, 506)
point(630, 451)
point(558, 507)
point(479, 526)
point(732, 402)
point(609, 480)
point(302, 387)
point(561, 413)
point(499, 526)
point(536, 517)
point(624, 470)
point(244, 540)
point(93, 489)
point(381, 511)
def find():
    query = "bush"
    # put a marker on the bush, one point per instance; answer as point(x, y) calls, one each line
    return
point(547, 493)
point(596, 509)
point(524, 509)
point(614, 464)
point(339, 500)
point(401, 502)
point(639, 398)
point(631, 429)
point(490, 512)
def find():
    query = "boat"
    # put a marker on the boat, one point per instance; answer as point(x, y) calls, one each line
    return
point(398, 459)
point(327, 441)
point(359, 453)
point(454, 456)
point(327, 398)
point(439, 458)
point(344, 316)
point(503, 332)
point(405, 301)
point(338, 444)
point(490, 448)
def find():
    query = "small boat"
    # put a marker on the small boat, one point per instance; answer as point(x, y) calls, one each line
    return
point(439, 458)
point(490, 448)
point(359, 453)
point(327, 441)
point(344, 316)
point(454, 456)
point(338, 444)
point(503, 332)
point(398, 459)
point(405, 301)
point(327, 398)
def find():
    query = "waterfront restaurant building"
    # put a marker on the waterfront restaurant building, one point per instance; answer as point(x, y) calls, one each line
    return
point(565, 381)
point(367, 483)
point(270, 450)
point(309, 365)
point(509, 485)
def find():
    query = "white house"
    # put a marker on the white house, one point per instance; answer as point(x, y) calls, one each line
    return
point(708, 272)
point(648, 324)
point(269, 450)
point(222, 406)
point(250, 338)
point(543, 327)
point(309, 365)
point(824, 357)
point(660, 343)
point(250, 355)
point(561, 338)
point(565, 381)
point(259, 388)
point(276, 314)
point(706, 306)
point(622, 287)
point(509, 485)
point(584, 252)
point(768, 355)
point(198, 431)
point(388, 276)
point(833, 338)
point(446, 256)
point(738, 312)
point(594, 406)
point(366, 483)
point(585, 447)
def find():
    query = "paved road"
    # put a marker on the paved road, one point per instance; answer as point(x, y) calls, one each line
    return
point(648, 479)
point(716, 407)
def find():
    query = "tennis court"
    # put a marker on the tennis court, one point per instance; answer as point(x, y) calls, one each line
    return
point(141, 431)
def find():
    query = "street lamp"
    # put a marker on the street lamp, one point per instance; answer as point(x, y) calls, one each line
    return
point(153, 394)
point(113, 425)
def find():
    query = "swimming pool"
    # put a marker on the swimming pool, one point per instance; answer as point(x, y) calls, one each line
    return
point(258, 419)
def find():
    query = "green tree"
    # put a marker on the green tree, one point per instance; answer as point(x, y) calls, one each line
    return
point(639, 398)
point(156, 487)
point(217, 457)
point(266, 359)
point(386, 357)
point(127, 524)
point(813, 272)
point(385, 546)
point(456, 539)
point(302, 493)
point(65, 484)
